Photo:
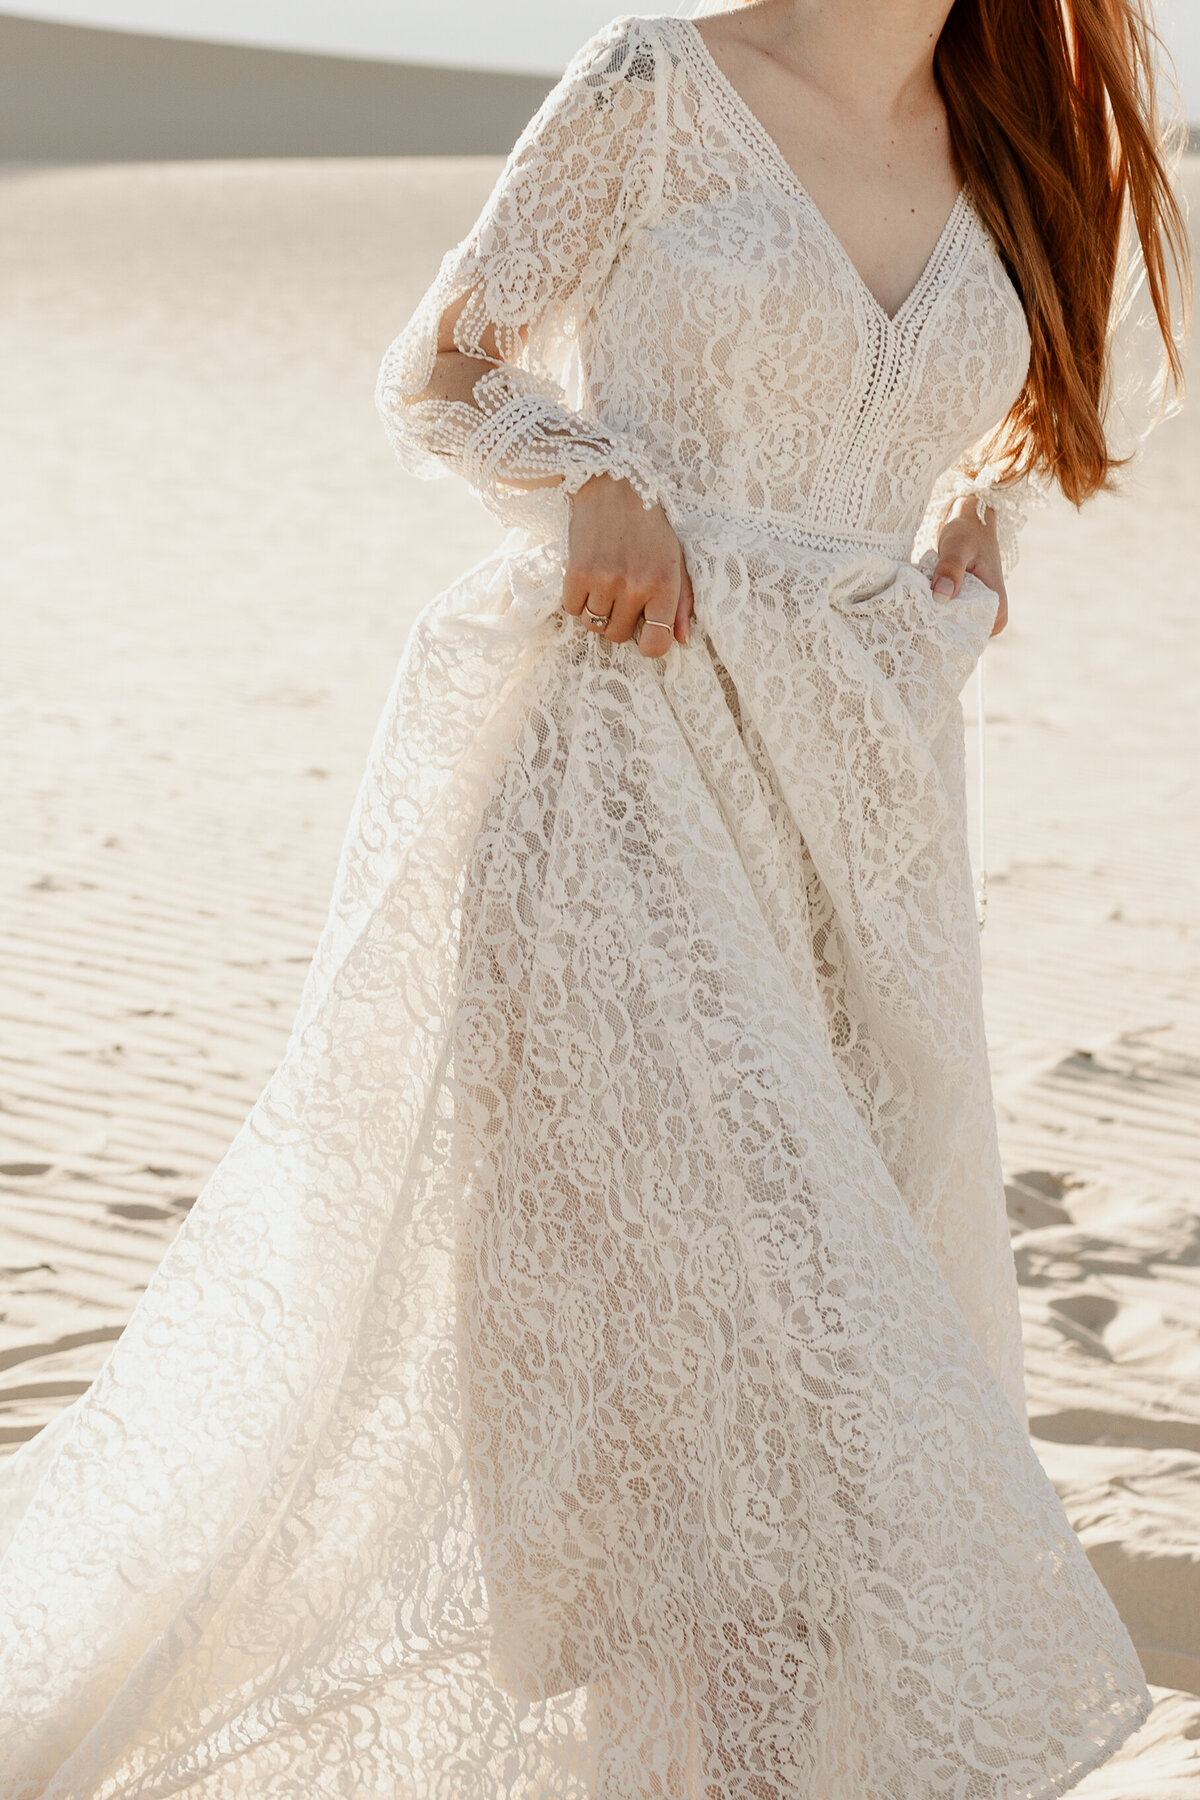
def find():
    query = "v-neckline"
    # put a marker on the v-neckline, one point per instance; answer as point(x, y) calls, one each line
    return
point(784, 171)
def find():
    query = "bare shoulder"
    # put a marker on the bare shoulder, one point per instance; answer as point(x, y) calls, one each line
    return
point(729, 29)
point(754, 43)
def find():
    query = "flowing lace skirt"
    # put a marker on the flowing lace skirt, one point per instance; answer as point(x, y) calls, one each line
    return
point(593, 1371)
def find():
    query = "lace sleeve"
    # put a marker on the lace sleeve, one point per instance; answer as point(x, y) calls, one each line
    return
point(1011, 501)
point(584, 171)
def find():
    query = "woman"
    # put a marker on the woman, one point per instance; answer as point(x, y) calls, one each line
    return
point(593, 1372)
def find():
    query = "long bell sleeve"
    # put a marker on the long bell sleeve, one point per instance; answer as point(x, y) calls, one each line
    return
point(585, 170)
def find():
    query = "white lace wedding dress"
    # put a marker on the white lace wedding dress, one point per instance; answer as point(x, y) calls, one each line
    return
point(593, 1372)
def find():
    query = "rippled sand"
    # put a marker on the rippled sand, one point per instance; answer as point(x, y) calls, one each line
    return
point(211, 563)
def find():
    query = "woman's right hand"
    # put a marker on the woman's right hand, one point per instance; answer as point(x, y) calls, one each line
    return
point(625, 563)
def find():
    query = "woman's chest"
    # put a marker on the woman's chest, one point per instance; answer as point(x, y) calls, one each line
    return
point(742, 304)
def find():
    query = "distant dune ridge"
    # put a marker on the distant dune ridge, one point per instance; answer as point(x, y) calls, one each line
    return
point(73, 93)
point(70, 93)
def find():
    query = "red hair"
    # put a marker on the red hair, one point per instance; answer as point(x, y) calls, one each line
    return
point(1055, 128)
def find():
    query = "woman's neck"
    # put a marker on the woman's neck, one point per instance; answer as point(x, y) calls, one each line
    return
point(866, 55)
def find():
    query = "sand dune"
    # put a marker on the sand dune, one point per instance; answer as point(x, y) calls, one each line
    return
point(74, 93)
point(212, 564)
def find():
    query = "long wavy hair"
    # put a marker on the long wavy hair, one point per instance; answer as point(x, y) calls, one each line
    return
point(1055, 125)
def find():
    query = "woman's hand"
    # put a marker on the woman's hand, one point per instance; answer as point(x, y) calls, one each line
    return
point(967, 545)
point(624, 563)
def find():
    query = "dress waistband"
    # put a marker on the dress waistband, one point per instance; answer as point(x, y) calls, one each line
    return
point(789, 528)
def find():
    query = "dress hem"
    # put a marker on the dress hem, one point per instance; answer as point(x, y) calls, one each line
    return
point(1126, 1728)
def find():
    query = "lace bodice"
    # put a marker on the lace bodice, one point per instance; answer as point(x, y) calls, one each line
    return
point(669, 303)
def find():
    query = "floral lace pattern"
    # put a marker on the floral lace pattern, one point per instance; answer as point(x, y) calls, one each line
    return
point(593, 1372)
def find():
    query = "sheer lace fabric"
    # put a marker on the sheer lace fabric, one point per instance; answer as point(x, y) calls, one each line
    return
point(593, 1372)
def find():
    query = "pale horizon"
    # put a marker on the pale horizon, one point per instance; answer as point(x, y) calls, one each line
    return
point(537, 37)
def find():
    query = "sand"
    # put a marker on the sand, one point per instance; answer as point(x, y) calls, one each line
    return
point(211, 565)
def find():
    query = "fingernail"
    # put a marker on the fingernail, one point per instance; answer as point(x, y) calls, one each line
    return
point(687, 631)
point(943, 585)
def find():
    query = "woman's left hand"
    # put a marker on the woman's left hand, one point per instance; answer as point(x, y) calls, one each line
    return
point(967, 546)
